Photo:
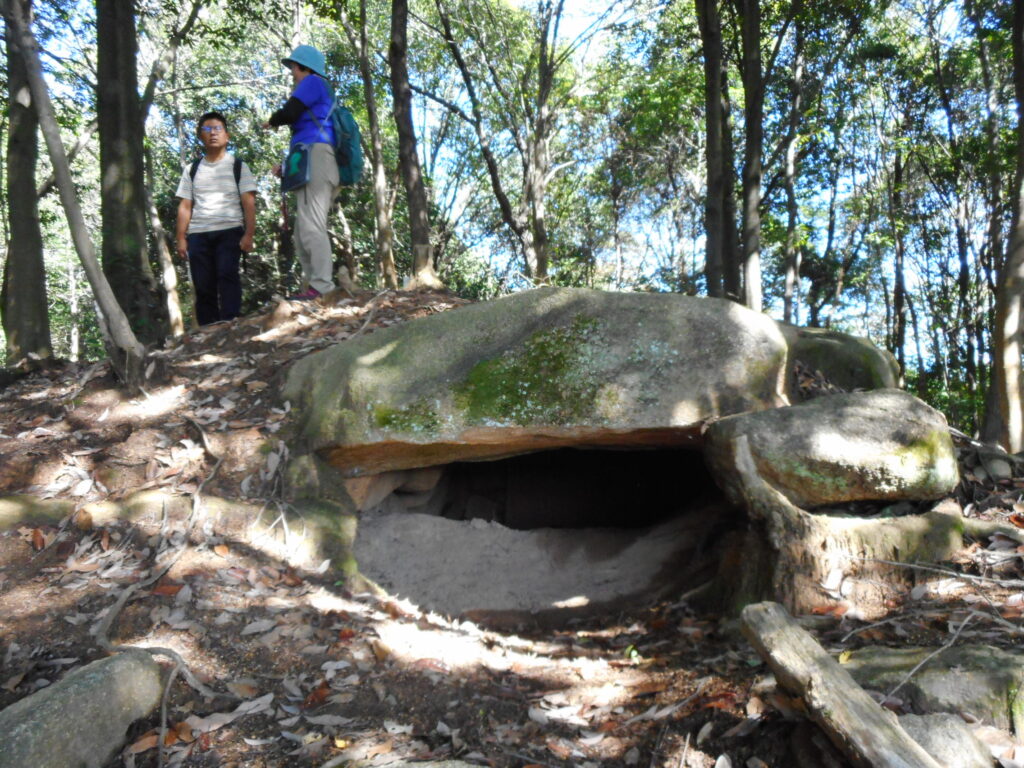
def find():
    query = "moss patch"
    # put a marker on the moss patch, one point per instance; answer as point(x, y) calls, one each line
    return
point(549, 379)
point(418, 417)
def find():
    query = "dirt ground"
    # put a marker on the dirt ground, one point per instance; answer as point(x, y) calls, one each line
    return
point(310, 674)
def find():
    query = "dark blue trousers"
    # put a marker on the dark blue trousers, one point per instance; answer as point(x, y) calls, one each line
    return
point(213, 259)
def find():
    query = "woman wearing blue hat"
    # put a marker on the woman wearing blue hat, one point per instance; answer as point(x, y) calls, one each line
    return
point(306, 111)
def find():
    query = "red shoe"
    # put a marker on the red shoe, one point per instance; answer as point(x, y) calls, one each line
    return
point(310, 294)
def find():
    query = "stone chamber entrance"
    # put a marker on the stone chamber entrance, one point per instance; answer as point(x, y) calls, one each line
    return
point(545, 535)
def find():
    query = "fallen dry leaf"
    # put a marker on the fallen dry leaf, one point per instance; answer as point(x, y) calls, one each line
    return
point(648, 688)
point(184, 731)
point(380, 749)
point(167, 589)
point(147, 742)
point(222, 550)
point(13, 682)
point(38, 539)
point(317, 696)
point(380, 649)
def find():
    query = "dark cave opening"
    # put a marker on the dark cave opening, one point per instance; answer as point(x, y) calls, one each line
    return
point(573, 488)
point(535, 535)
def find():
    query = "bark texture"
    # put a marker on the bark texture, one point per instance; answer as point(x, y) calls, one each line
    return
point(122, 183)
point(423, 275)
point(23, 303)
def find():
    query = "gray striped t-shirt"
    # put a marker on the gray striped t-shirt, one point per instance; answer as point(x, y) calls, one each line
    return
point(214, 195)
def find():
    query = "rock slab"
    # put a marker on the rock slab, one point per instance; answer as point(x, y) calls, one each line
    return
point(948, 739)
point(80, 721)
point(980, 680)
point(541, 369)
point(879, 445)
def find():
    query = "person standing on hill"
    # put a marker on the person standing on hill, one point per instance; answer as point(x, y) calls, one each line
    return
point(307, 112)
point(216, 222)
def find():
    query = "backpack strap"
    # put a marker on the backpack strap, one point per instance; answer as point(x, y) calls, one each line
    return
point(319, 126)
point(237, 170)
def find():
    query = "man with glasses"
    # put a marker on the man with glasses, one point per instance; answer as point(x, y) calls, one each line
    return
point(216, 222)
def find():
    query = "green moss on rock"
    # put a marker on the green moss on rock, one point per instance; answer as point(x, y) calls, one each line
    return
point(418, 417)
point(548, 379)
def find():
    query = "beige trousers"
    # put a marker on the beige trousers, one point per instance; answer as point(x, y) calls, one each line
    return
point(313, 203)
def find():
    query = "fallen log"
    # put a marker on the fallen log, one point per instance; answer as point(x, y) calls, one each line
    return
point(860, 728)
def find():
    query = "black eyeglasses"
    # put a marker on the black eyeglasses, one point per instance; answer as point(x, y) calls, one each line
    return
point(212, 129)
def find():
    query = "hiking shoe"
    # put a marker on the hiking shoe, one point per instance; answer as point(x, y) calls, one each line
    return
point(307, 295)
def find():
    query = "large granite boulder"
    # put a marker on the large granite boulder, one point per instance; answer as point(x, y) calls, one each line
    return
point(879, 445)
point(542, 369)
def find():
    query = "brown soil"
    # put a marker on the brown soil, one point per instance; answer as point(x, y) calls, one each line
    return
point(355, 677)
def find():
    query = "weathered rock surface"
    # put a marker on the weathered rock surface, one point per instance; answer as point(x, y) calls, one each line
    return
point(878, 445)
point(948, 739)
point(542, 369)
point(80, 722)
point(978, 679)
point(848, 362)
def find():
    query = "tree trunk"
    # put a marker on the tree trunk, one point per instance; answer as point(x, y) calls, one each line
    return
point(710, 25)
point(122, 183)
point(423, 275)
point(23, 306)
point(1006, 417)
point(126, 353)
point(898, 333)
point(168, 275)
point(384, 232)
point(753, 111)
point(731, 261)
point(791, 291)
point(992, 253)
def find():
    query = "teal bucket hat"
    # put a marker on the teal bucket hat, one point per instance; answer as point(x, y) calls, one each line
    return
point(308, 57)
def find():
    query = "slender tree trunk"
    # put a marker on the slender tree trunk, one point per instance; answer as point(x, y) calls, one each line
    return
point(899, 330)
point(538, 145)
point(791, 294)
point(731, 261)
point(122, 186)
point(990, 429)
point(753, 111)
point(419, 217)
point(168, 275)
point(1007, 417)
point(126, 353)
point(23, 306)
point(384, 232)
point(515, 218)
point(74, 309)
point(710, 24)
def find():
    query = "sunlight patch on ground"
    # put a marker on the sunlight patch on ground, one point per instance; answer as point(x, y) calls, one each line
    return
point(157, 403)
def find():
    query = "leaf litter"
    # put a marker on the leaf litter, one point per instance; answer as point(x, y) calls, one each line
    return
point(314, 675)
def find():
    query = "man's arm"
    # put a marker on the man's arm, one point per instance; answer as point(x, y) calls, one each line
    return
point(181, 230)
point(249, 214)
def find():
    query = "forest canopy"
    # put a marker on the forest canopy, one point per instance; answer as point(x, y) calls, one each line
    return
point(851, 164)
